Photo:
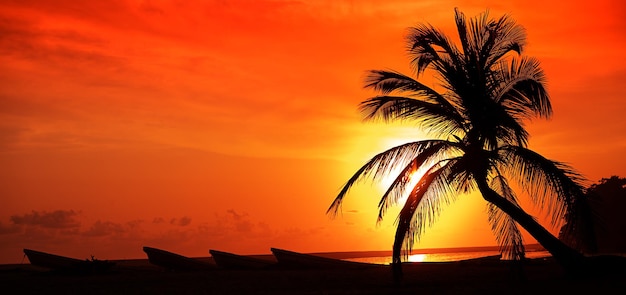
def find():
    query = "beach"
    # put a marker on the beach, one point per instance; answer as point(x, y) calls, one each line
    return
point(540, 276)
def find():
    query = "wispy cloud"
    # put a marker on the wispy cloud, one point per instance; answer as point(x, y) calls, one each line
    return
point(58, 219)
point(9, 228)
point(106, 228)
point(183, 221)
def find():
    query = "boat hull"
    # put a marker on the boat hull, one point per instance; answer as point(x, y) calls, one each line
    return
point(228, 260)
point(173, 261)
point(52, 261)
point(58, 262)
point(300, 260)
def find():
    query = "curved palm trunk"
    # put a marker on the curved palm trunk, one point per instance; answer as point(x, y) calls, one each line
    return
point(566, 256)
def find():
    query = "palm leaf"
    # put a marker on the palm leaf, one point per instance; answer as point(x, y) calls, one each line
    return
point(389, 81)
point(520, 89)
point(432, 117)
point(509, 37)
point(398, 187)
point(461, 25)
point(422, 207)
point(553, 186)
point(428, 46)
point(505, 229)
point(381, 165)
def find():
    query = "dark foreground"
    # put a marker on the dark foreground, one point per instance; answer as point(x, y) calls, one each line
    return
point(138, 277)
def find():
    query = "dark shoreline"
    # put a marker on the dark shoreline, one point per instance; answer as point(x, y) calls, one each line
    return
point(540, 276)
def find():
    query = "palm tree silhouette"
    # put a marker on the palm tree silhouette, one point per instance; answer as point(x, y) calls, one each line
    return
point(486, 91)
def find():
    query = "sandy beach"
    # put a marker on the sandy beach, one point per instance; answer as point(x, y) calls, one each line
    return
point(476, 277)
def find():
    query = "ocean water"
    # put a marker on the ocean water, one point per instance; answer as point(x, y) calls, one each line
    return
point(444, 257)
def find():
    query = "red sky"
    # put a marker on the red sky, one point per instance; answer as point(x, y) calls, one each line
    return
point(231, 125)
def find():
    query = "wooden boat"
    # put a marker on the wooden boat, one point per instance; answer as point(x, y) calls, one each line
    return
point(496, 257)
point(57, 262)
point(485, 260)
point(52, 261)
point(173, 261)
point(234, 261)
point(300, 260)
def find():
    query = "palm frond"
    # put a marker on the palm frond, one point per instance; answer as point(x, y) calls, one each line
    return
point(478, 37)
point(390, 81)
point(510, 131)
point(461, 25)
point(521, 89)
point(498, 127)
point(554, 187)
point(460, 178)
point(579, 230)
point(507, 36)
point(398, 187)
point(431, 116)
point(423, 206)
point(428, 46)
point(381, 165)
point(505, 229)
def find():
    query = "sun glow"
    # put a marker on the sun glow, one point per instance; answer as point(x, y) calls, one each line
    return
point(388, 180)
point(417, 257)
point(393, 135)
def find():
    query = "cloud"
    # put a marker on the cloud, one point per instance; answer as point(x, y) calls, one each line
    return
point(183, 221)
point(241, 222)
point(106, 228)
point(60, 232)
point(9, 229)
point(134, 223)
point(235, 215)
point(59, 219)
point(231, 226)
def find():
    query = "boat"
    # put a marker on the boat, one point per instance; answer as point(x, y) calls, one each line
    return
point(496, 257)
point(491, 259)
point(58, 262)
point(234, 261)
point(173, 261)
point(52, 261)
point(288, 258)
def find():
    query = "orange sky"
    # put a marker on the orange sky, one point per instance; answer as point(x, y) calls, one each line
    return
point(231, 125)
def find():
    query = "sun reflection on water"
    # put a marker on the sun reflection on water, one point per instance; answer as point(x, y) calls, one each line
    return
point(417, 257)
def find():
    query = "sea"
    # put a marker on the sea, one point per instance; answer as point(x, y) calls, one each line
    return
point(441, 255)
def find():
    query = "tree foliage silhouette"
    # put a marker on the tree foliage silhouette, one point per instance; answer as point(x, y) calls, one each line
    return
point(604, 219)
point(487, 89)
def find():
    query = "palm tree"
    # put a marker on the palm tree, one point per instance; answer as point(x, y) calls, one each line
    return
point(486, 91)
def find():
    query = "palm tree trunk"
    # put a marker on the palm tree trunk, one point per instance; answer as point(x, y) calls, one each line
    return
point(566, 256)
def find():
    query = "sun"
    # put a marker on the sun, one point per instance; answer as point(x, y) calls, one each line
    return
point(388, 180)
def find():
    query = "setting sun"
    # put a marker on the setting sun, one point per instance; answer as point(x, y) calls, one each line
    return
point(388, 180)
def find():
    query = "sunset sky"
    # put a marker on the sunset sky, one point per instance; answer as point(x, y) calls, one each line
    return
point(232, 125)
